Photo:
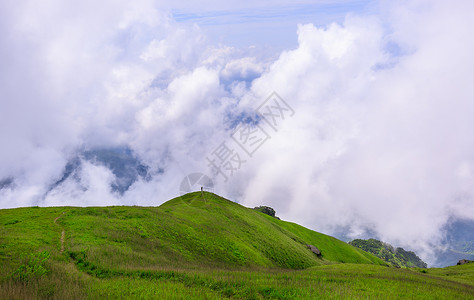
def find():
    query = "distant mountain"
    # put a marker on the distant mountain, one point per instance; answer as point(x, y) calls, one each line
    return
point(5, 183)
point(398, 257)
point(125, 166)
point(459, 239)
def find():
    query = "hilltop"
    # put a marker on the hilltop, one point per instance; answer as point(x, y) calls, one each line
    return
point(192, 231)
point(199, 245)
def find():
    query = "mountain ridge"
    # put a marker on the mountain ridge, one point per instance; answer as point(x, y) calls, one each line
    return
point(397, 257)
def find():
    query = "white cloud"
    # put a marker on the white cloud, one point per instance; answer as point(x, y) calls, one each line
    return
point(242, 69)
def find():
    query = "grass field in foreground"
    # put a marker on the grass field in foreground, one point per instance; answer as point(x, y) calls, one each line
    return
point(340, 281)
point(194, 247)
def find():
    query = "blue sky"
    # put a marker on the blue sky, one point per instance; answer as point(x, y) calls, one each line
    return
point(269, 24)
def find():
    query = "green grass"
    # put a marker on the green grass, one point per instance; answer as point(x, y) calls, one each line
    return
point(195, 248)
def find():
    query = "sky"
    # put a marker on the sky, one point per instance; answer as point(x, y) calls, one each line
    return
point(361, 110)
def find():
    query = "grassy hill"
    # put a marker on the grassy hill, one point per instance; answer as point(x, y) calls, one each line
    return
point(191, 247)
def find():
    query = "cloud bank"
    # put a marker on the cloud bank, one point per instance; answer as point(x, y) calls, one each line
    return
point(380, 140)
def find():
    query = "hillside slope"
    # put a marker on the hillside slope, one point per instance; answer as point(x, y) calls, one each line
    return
point(185, 232)
point(262, 239)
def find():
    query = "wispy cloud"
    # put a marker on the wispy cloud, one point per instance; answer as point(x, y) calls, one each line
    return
point(273, 23)
point(321, 11)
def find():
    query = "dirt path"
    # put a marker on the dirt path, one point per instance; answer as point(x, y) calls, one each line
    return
point(63, 234)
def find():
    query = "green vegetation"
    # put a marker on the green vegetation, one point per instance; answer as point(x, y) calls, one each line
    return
point(397, 257)
point(196, 246)
point(32, 268)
